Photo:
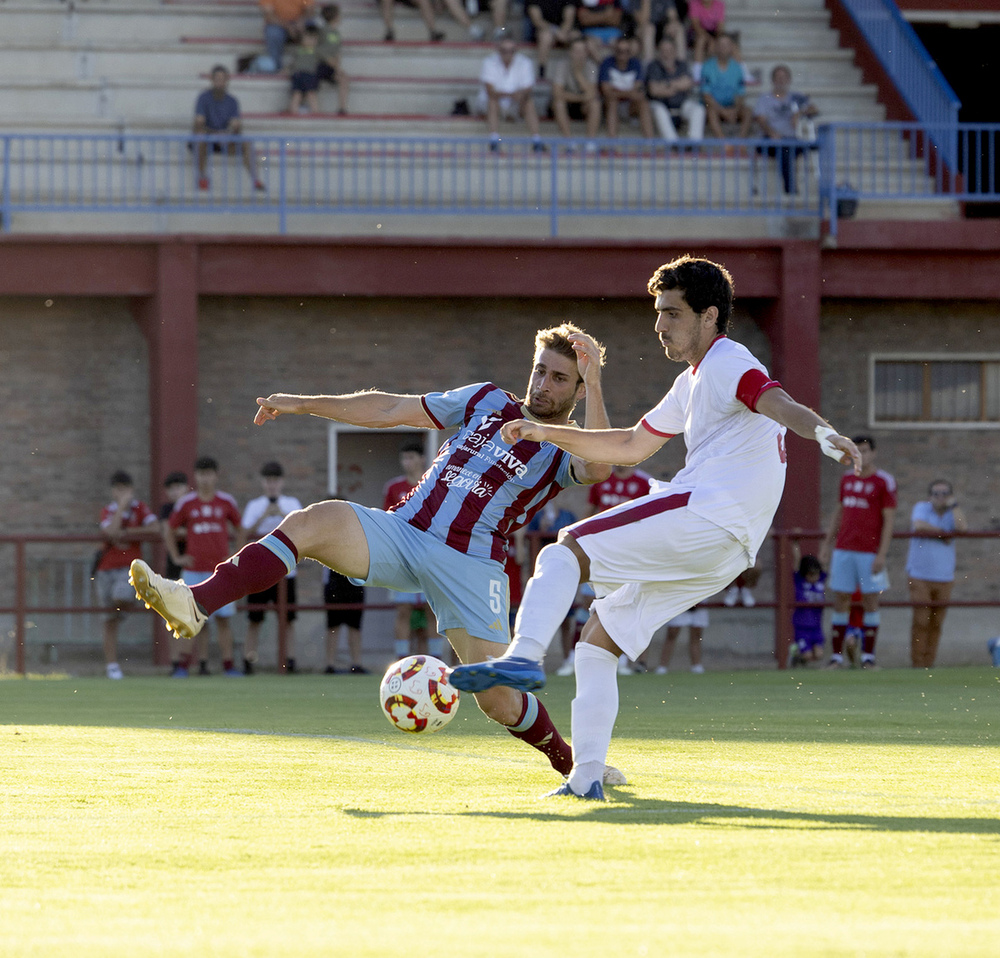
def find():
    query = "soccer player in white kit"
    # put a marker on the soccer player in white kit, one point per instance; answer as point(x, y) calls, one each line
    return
point(653, 558)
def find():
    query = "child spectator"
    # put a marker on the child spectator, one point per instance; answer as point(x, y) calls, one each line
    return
point(305, 71)
point(810, 586)
point(329, 68)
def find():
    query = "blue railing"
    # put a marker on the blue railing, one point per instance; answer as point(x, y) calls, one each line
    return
point(448, 176)
point(433, 176)
point(912, 69)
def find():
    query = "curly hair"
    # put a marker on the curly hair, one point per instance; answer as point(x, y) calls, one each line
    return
point(703, 284)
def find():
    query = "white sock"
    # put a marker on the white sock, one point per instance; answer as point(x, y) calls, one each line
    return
point(595, 709)
point(548, 597)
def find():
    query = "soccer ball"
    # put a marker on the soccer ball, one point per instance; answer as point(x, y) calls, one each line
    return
point(415, 694)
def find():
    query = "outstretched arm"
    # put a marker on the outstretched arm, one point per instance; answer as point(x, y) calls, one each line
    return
point(622, 447)
point(776, 404)
point(375, 410)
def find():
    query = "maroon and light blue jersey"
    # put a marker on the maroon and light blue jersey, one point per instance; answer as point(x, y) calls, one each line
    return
point(479, 489)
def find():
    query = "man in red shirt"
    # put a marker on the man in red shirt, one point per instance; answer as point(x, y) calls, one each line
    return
point(210, 518)
point(125, 522)
point(624, 483)
point(859, 536)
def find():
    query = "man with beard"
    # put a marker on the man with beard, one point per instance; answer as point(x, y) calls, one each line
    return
point(448, 539)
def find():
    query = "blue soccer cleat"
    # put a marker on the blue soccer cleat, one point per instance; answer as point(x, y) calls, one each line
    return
point(595, 793)
point(524, 675)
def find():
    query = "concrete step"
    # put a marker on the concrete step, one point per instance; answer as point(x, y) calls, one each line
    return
point(173, 101)
point(180, 60)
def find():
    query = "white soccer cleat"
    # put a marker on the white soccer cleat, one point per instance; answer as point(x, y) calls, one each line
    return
point(172, 600)
point(614, 776)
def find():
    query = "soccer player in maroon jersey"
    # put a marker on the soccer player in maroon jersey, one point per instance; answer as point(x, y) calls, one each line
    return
point(448, 539)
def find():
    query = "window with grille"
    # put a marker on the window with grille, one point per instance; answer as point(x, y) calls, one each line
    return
point(957, 391)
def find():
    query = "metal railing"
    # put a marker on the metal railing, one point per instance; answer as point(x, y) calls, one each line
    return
point(432, 176)
point(917, 77)
point(15, 596)
point(281, 178)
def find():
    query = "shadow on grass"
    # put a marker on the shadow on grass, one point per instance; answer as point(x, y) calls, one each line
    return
point(626, 809)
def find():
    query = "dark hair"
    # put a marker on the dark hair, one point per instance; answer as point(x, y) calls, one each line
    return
point(330, 11)
point(809, 564)
point(121, 478)
point(219, 68)
point(175, 477)
point(703, 284)
point(557, 339)
point(413, 445)
point(857, 440)
point(272, 468)
point(781, 66)
point(940, 482)
point(311, 30)
point(206, 462)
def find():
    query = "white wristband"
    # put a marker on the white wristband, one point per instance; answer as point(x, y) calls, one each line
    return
point(823, 434)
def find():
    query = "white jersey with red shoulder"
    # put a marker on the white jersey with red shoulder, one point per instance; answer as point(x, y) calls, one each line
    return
point(735, 463)
point(862, 499)
point(479, 489)
point(617, 489)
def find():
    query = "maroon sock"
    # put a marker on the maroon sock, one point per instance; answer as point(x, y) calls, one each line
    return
point(868, 636)
point(544, 736)
point(837, 633)
point(253, 569)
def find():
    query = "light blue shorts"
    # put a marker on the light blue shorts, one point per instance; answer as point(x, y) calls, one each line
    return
point(196, 578)
point(853, 570)
point(463, 591)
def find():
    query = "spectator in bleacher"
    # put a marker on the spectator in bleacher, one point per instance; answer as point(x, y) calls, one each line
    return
point(554, 23)
point(330, 43)
point(284, 21)
point(672, 94)
point(426, 11)
point(575, 94)
point(778, 114)
point(600, 21)
point(121, 522)
point(620, 79)
point(507, 78)
point(217, 111)
point(708, 22)
point(723, 90)
point(305, 72)
point(656, 19)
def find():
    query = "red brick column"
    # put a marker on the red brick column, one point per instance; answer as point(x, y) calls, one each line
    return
point(169, 320)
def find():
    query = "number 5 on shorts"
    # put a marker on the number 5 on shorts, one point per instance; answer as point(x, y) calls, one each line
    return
point(496, 596)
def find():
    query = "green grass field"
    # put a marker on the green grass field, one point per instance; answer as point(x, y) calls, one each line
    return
point(768, 814)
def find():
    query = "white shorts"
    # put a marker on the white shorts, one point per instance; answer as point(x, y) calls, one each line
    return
point(652, 559)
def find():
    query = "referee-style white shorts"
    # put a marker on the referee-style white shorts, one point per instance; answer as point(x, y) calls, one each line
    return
point(652, 559)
